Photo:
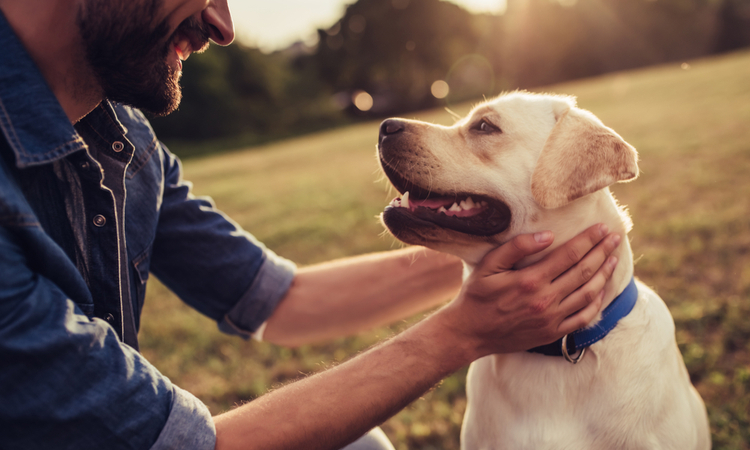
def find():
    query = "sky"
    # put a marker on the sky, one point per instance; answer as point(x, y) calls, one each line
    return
point(274, 24)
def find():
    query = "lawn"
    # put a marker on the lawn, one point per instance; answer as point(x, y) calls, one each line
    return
point(316, 197)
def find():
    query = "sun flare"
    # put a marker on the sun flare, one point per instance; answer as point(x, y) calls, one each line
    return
point(483, 6)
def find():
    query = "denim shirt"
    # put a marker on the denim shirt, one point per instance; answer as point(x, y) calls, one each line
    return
point(86, 213)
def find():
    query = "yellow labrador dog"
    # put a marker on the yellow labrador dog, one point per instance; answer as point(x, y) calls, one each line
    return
point(525, 163)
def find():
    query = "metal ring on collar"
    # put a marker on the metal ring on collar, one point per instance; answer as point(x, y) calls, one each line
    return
point(571, 359)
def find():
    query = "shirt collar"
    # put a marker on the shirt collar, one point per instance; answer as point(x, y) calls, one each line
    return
point(32, 120)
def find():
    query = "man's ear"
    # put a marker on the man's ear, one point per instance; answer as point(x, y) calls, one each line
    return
point(581, 156)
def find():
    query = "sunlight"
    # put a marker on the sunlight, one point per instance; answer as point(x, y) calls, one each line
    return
point(270, 25)
point(483, 6)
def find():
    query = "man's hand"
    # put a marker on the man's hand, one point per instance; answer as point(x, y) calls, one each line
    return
point(500, 310)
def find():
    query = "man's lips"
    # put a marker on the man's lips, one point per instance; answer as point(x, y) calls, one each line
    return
point(182, 46)
point(190, 37)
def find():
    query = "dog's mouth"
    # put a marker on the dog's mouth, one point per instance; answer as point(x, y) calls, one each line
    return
point(469, 213)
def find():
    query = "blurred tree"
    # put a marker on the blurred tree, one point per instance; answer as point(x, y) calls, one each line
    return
point(734, 29)
point(241, 92)
point(394, 50)
point(550, 41)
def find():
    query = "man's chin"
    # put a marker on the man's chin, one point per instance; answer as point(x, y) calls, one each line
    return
point(158, 102)
point(165, 108)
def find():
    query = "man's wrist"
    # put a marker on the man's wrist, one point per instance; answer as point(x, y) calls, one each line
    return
point(443, 335)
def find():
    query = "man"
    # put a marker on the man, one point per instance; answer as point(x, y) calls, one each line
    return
point(91, 203)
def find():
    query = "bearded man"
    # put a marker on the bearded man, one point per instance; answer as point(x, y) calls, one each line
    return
point(91, 203)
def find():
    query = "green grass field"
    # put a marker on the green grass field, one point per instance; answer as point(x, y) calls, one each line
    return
point(317, 197)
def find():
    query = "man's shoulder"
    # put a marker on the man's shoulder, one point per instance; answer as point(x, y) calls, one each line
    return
point(14, 211)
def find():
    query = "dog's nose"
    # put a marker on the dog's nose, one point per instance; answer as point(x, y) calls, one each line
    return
point(390, 127)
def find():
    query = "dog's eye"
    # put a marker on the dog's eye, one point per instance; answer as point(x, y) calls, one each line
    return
point(484, 126)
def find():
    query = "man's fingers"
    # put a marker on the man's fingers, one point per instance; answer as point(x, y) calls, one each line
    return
point(583, 317)
point(566, 256)
point(504, 257)
point(588, 293)
point(586, 301)
point(590, 265)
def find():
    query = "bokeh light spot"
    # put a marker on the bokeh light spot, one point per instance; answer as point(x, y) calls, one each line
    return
point(357, 23)
point(440, 89)
point(362, 100)
point(472, 76)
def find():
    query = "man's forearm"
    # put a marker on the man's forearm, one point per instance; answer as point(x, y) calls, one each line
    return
point(354, 294)
point(335, 407)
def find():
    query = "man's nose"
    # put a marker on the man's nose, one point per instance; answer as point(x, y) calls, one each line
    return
point(219, 20)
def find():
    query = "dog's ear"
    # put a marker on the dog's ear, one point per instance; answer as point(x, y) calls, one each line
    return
point(581, 156)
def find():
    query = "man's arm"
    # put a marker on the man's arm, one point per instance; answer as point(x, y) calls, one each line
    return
point(498, 310)
point(347, 296)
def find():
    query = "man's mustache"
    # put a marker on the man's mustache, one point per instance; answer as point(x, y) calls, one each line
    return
point(197, 31)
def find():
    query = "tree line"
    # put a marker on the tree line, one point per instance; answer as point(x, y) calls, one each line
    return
point(388, 57)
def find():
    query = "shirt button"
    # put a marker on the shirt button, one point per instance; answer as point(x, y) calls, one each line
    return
point(118, 146)
point(99, 220)
point(85, 165)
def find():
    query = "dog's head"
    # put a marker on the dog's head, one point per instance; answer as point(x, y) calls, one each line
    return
point(498, 172)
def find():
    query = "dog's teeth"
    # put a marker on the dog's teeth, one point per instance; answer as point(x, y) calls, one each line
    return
point(405, 200)
point(470, 203)
point(442, 209)
point(454, 208)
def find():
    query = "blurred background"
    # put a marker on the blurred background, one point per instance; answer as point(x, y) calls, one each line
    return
point(387, 57)
point(280, 130)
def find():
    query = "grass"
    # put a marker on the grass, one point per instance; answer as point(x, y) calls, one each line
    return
point(315, 198)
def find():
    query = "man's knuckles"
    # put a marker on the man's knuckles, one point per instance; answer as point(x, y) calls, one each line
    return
point(573, 253)
point(529, 284)
point(540, 306)
point(586, 272)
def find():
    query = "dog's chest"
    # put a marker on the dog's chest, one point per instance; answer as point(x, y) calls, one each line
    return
point(524, 401)
point(531, 401)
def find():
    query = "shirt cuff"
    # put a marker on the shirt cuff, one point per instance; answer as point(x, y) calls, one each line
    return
point(189, 426)
point(272, 282)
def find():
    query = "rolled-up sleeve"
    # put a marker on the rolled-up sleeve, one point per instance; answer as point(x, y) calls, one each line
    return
point(269, 286)
point(211, 263)
point(189, 425)
point(66, 381)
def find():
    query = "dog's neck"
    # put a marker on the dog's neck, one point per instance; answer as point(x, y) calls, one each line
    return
point(572, 219)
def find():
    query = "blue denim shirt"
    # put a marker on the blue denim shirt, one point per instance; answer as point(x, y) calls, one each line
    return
point(86, 213)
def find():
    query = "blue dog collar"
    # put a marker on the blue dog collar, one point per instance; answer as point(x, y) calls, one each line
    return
point(579, 340)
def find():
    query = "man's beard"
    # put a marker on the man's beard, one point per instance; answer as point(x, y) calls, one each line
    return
point(129, 54)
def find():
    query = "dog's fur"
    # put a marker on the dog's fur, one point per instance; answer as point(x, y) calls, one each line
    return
point(550, 163)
